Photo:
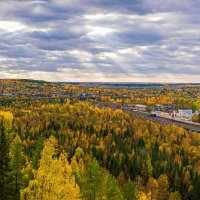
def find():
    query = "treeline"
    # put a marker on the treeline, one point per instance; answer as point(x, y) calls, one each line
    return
point(196, 118)
point(78, 151)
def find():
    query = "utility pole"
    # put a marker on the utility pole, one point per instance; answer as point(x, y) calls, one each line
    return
point(123, 102)
point(173, 109)
point(123, 105)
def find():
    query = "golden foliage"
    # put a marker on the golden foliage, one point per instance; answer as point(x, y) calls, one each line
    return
point(54, 179)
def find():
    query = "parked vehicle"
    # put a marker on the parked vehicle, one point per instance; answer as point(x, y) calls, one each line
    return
point(153, 114)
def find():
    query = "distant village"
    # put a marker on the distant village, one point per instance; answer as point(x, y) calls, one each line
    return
point(166, 109)
point(35, 89)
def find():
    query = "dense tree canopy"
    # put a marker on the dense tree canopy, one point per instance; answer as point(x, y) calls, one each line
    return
point(75, 149)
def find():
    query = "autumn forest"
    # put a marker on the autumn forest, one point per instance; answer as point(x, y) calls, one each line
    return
point(72, 149)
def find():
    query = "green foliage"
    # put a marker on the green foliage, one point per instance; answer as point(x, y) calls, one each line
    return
point(196, 191)
point(196, 118)
point(113, 191)
point(91, 181)
point(17, 167)
point(149, 167)
point(96, 183)
point(129, 190)
point(175, 196)
point(36, 155)
point(4, 159)
point(166, 158)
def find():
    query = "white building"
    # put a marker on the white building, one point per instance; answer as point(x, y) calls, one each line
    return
point(140, 107)
point(185, 114)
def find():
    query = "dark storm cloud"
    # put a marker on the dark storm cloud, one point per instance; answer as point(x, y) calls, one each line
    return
point(120, 38)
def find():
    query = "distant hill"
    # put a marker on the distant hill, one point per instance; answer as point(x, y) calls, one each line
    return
point(111, 84)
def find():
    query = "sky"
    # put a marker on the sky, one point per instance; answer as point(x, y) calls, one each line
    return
point(100, 40)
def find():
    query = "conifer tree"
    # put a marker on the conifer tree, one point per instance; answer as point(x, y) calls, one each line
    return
point(17, 166)
point(91, 181)
point(37, 152)
point(112, 189)
point(6, 119)
point(129, 190)
point(4, 159)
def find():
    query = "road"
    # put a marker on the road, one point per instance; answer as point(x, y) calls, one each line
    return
point(30, 98)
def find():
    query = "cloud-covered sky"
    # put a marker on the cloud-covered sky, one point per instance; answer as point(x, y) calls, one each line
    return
point(100, 40)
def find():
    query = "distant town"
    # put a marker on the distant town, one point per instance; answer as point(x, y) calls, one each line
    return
point(173, 101)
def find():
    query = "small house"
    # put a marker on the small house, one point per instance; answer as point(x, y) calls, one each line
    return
point(140, 107)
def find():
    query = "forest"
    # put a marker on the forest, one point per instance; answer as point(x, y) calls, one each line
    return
point(74, 150)
point(183, 97)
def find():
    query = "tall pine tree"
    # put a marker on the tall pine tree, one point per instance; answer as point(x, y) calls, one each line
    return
point(4, 159)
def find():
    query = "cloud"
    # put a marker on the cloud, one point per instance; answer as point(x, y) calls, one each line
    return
point(108, 40)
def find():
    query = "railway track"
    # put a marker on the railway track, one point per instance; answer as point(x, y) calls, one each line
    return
point(158, 119)
point(163, 120)
point(142, 115)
